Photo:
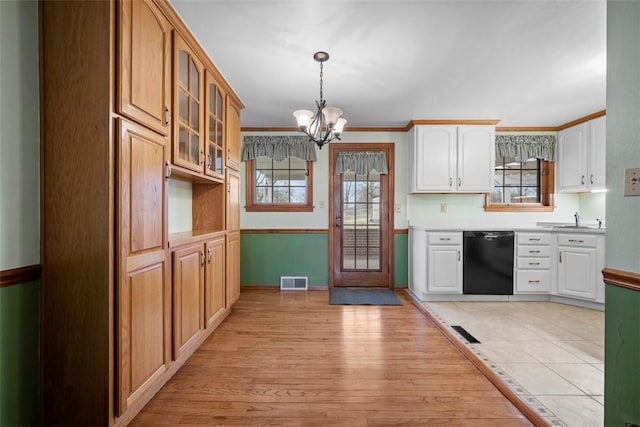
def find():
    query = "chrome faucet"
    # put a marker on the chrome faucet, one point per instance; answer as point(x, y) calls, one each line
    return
point(577, 217)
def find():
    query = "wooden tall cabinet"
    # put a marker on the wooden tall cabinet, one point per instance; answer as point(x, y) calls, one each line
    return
point(133, 104)
point(142, 291)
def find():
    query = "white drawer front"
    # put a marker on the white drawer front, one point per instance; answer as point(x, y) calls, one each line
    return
point(444, 238)
point(533, 251)
point(577, 240)
point(533, 281)
point(533, 263)
point(533, 238)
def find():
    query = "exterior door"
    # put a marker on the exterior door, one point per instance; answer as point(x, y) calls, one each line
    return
point(361, 222)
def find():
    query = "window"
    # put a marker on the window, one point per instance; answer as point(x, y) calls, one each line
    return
point(279, 186)
point(522, 186)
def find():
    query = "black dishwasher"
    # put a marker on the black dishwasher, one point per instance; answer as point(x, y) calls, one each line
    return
point(488, 263)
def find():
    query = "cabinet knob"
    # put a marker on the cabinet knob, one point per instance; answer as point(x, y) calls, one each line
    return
point(459, 255)
point(591, 179)
point(450, 181)
point(582, 180)
point(201, 259)
point(560, 256)
point(459, 181)
point(209, 256)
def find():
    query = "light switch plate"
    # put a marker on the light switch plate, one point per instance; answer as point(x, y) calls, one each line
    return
point(632, 182)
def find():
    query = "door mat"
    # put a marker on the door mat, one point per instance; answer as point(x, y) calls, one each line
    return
point(346, 296)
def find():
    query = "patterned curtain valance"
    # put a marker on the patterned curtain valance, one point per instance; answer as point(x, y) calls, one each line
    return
point(361, 162)
point(522, 147)
point(278, 147)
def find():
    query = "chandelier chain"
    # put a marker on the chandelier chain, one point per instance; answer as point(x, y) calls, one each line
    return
point(321, 64)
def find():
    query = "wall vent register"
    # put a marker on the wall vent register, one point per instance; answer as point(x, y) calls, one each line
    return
point(293, 283)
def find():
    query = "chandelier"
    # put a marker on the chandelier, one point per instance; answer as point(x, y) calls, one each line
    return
point(325, 124)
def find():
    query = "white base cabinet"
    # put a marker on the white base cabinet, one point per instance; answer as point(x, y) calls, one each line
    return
point(580, 262)
point(533, 263)
point(435, 263)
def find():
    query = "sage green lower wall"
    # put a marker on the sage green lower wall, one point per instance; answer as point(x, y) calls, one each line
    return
point(19, 349)
point(266, 257)
point(622, 348)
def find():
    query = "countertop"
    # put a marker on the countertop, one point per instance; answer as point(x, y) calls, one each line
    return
point(556, 227)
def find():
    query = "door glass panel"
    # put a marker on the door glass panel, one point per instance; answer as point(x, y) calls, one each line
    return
point(183, 106)
point(219, 110)
point(212, 98)
point(183, 142)
point(219, 160)
point(361, 222)
point(194, 87)
point(219, 135)
point(194, 119)
point(183, 69)
point(211, 157)
point(194, 153)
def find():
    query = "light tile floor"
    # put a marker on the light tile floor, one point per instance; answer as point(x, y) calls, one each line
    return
point(552, 354)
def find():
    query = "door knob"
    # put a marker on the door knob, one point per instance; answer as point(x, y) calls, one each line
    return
point(338, 221)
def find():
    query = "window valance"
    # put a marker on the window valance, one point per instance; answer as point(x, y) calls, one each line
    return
point(361, 162)
point(278, 147)
point(523, 147)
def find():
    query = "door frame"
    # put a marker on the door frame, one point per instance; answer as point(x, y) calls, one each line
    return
point(389, 150)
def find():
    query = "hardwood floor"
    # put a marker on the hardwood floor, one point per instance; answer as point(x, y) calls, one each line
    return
point(290, 359)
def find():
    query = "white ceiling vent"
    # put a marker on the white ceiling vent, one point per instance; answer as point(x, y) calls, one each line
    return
point(293, 283)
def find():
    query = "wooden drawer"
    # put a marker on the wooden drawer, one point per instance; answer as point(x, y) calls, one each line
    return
point(533, 281)
point(580, 240)
point(533, 251)
point(533, 263)
point(444, 238)
point(533, 238)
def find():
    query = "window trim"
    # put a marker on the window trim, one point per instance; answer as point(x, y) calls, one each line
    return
point(250, 185)
point(547, 186)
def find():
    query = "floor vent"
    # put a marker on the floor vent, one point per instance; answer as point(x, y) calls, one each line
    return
point(293, 283)
point(462, 331)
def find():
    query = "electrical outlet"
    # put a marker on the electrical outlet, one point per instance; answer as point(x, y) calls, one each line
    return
point(632, 182)
point(397, 208)
point(443, 208)
point(321, 204)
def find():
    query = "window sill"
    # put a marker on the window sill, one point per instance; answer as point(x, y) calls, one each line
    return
point(518, 208)
point(279, 208)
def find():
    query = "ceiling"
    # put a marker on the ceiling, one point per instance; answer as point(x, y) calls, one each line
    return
point(528, 63)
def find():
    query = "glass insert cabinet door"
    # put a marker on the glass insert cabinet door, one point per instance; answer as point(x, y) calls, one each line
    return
point(215, 135)
point(188, 151)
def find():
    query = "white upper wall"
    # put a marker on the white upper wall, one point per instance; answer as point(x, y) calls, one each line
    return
point(19, 135)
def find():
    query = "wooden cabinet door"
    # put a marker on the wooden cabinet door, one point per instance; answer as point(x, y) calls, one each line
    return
point(233, 200)
point(214, 286)
point(188, 297)
point(188, 138)
point(476, 158)
point(233, 267)
point(435, 157)
point(143, 289)
point(144, 51)
point(444, 269)
point(233, 135)
point(572, 158)
point(215, 128)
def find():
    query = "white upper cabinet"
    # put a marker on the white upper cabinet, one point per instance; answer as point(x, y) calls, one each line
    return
point(446, 159)
point(581, 156)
